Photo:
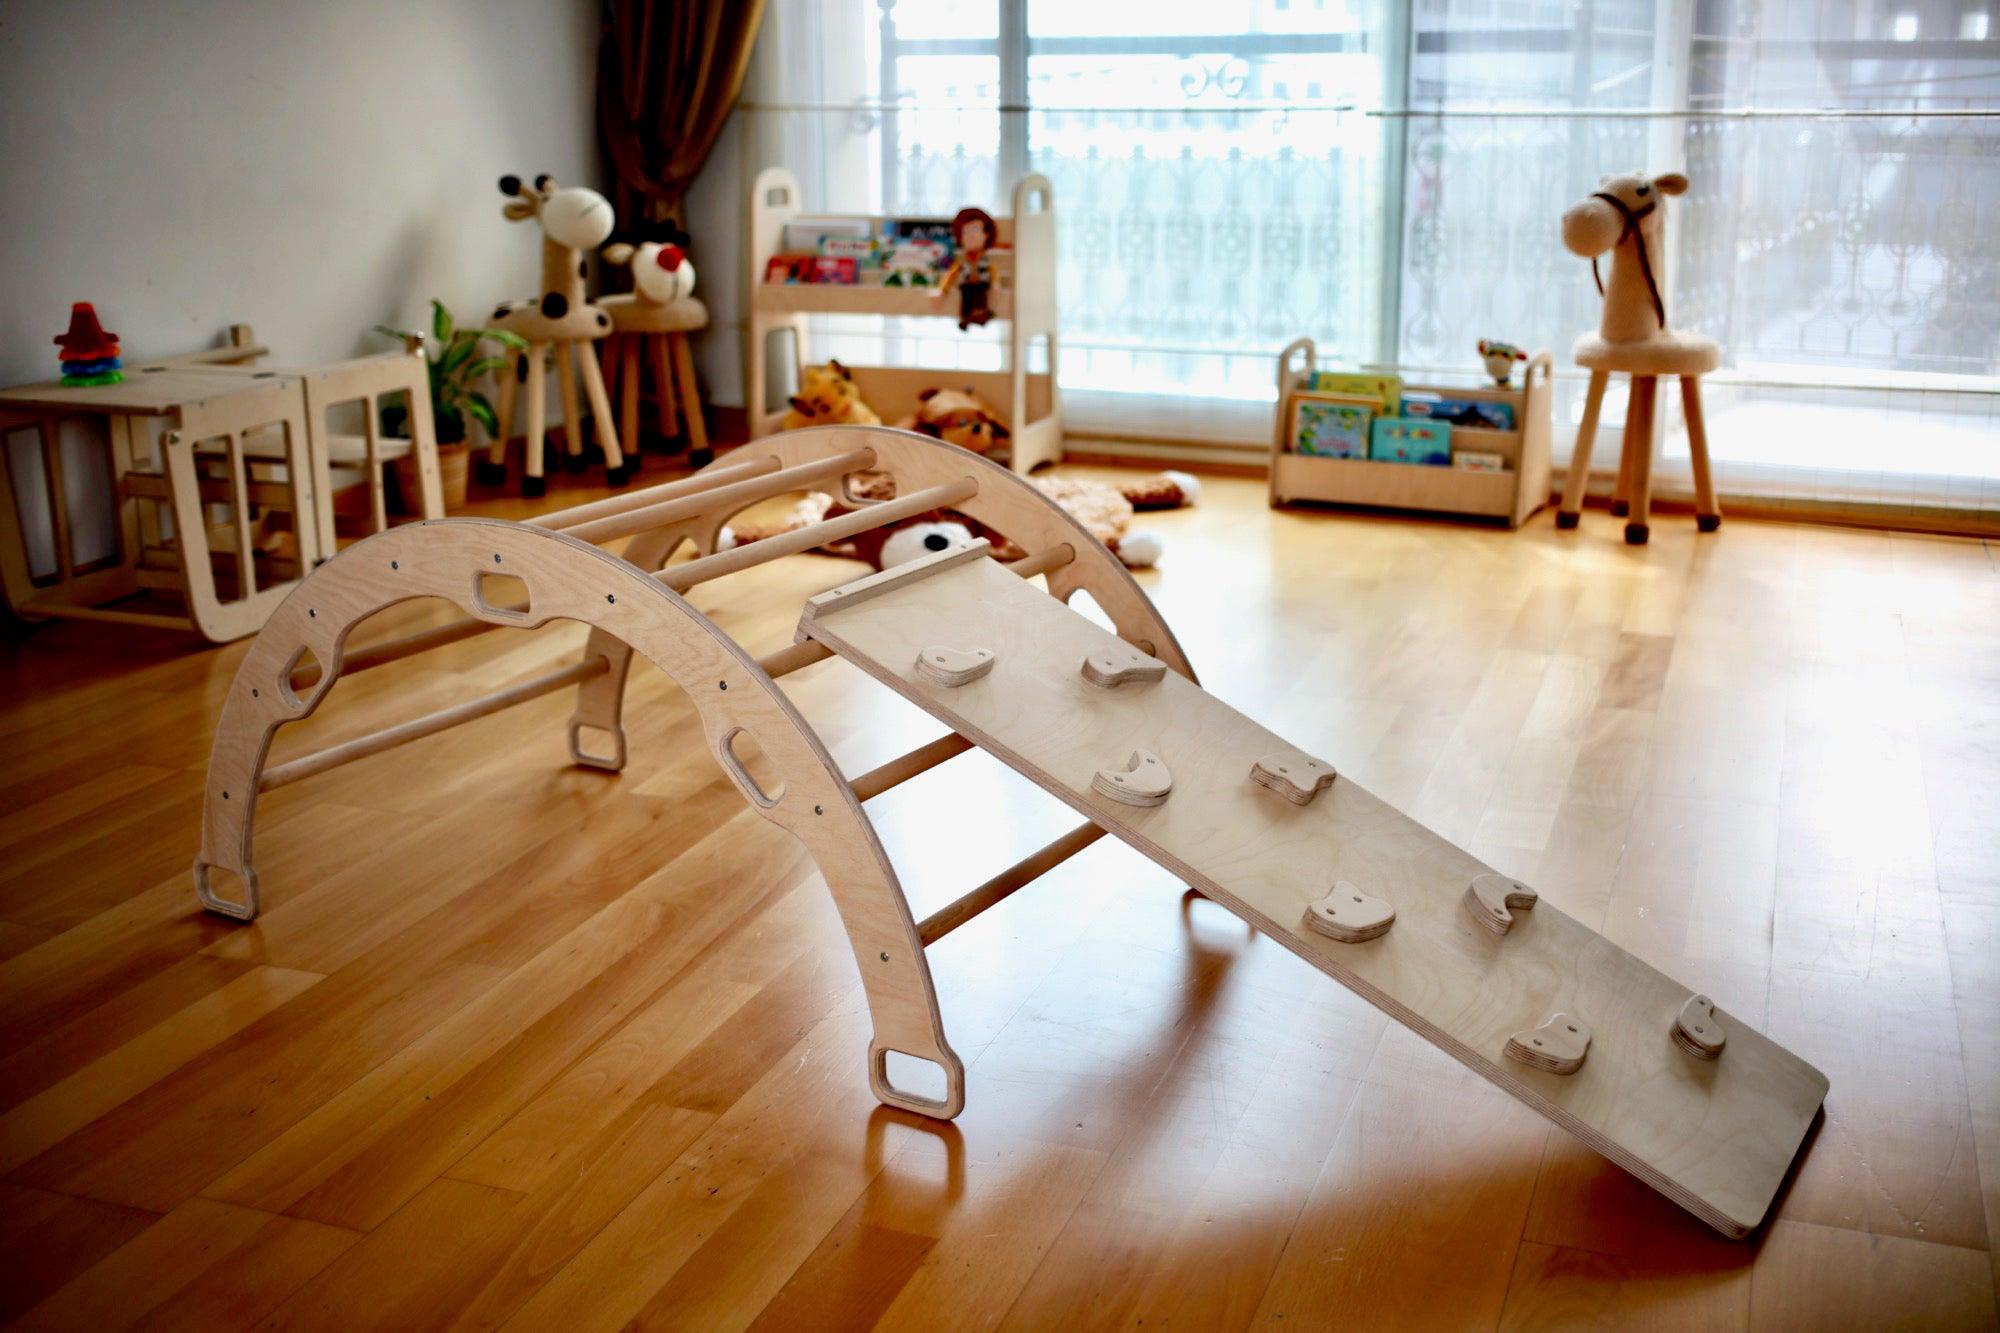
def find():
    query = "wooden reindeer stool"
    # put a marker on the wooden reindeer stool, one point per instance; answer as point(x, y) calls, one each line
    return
point(573, 221)
point(662, 310)
point(1627, 216)
point(1111, 725)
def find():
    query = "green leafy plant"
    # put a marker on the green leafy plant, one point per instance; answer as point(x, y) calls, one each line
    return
point(455, 366)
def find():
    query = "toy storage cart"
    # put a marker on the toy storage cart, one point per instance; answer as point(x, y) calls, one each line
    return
point(1511, 495)
point(1024, 296)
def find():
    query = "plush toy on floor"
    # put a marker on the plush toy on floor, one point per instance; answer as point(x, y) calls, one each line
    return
point(829, 397)
point(1104, 510)
point(957, 416)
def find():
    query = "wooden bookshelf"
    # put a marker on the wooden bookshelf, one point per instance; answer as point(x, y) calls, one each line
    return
point(1023, 297)
point(1511, 495)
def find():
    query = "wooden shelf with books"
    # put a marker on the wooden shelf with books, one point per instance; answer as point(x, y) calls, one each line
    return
point(1023, 298)
point(1511, 494)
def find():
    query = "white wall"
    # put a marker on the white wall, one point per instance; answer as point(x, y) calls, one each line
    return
point(312, 167)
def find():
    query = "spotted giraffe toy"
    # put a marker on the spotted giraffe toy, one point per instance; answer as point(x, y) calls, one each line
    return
point(574, 221)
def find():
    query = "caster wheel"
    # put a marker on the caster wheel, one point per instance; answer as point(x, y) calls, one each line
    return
point(619, 476)
point(1707, 522)
point(1567, 521)
point(701, 457)
point(574, 463)
point(1636, 534)
point(490, 474)
point(1620, 508)
point(534, 488)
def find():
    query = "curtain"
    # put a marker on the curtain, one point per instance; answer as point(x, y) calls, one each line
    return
point(668, 74)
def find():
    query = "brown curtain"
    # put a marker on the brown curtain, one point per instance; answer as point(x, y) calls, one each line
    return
point(667, 74)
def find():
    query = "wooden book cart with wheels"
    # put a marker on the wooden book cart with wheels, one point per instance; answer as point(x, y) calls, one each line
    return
point(1114, 726)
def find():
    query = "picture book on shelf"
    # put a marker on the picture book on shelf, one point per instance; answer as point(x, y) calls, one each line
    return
point(1410, 440)
point(1471, 412)
point(1385, 391)
point(803, 235)
point(1330, 425)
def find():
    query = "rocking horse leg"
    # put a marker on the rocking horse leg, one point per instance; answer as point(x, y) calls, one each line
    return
point(1639, 451)
point(1707, 514)
point(1621, 491)
point(572, 415)
point(626, 355)
point(1579, 456)
point(617, 470)
point(699, 454)
point(533, 483)
point(493, 472)
point(670, 427)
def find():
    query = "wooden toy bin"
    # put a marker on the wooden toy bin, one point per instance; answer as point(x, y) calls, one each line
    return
point(1510, 496)
point(1024, 298)
point(1113, 726)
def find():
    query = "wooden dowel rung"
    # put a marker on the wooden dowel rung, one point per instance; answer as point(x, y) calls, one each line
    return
point(787, 660)
point(1017, 876)
point(428, 725)
point(904, 767)
point(1042, 562)
point(735, 495)
point(618, 504)
point(682, 577)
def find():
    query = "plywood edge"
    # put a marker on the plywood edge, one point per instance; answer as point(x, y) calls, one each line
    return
point(888, 580)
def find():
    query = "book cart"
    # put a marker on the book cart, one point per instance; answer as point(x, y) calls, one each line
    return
point(1511, 495)
point(1024, 296)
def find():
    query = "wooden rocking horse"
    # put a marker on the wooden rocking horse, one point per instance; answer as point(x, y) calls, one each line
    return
point(573, 221)
point(1627, 216)
point(1110, 724)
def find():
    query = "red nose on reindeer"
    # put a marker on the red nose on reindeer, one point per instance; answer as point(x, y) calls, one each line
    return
point(670, 257)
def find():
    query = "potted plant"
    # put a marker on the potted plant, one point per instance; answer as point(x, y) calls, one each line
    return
point(456, 365)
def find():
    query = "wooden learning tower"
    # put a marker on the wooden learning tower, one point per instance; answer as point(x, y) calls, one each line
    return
point(1690, 1099)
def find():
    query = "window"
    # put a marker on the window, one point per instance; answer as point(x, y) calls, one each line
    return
point(1230, 174)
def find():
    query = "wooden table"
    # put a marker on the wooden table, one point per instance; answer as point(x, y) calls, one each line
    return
point(189, 409)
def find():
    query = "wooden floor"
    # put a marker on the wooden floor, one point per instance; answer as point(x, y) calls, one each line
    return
point(520, 1043)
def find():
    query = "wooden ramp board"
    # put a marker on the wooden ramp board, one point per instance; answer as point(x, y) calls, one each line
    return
point(1717, 1137)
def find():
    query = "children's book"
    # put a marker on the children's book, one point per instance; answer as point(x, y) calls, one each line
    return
point(1326, 425)
point(812, 234)
point(1410, 440)
point(1385, 391)
point(1473, 412)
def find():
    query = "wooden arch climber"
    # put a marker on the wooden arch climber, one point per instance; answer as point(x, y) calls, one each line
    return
point(1687, 1097)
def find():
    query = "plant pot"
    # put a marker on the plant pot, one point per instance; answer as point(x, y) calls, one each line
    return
point(454, 472)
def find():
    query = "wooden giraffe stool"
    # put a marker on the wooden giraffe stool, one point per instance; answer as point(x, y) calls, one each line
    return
point(573, 220)
point(1627, 216)
point(662, 310)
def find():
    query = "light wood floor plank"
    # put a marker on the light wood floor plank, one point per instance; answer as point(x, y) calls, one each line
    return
point(588, 1048)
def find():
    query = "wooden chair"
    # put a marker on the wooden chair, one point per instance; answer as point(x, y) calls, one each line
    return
point(1628, 217)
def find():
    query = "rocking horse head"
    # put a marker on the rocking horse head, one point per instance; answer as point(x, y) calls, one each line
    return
point(1626, 215)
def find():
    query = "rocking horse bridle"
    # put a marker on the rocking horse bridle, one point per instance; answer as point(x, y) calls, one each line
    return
point(1632, 219)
